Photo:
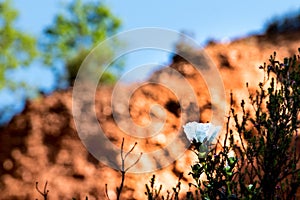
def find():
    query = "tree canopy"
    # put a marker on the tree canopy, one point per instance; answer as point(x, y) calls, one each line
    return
point(64, 44)
point(75, 32)
point(16, 47)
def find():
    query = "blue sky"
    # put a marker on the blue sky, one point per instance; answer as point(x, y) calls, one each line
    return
point(221, 20)
point(214, 18)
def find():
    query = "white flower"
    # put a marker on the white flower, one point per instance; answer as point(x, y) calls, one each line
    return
point(200, 131)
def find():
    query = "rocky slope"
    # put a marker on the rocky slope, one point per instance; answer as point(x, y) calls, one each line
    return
point(41, 144)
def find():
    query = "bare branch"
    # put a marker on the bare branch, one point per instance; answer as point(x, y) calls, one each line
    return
point(130, 150)
point(45, 191)
point(134, 162)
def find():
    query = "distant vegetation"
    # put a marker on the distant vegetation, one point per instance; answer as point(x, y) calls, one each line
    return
point(78, 28)
point(59, 50)
point(16, 47)
point(75, 32)
point(284, 23)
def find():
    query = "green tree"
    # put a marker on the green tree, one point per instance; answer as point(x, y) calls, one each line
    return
point(16, 47)
point(75, 32)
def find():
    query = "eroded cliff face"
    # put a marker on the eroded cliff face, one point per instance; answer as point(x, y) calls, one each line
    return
point(42, 143)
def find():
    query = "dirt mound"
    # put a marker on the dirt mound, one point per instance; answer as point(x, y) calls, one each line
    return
point(42, 143)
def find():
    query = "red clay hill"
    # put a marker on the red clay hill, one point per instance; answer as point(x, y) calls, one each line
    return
point(41, 144)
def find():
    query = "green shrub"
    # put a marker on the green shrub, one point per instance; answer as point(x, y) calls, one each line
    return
point(265, 164)
point(259, 155)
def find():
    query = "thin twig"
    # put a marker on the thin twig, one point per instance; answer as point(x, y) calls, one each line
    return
point(122, 148)
point(130, 150)
point(137, 160)
point(45, 191)
point(123, 170)
point(106, 192)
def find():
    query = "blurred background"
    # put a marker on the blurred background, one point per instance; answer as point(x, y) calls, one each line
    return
point(44, 42)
